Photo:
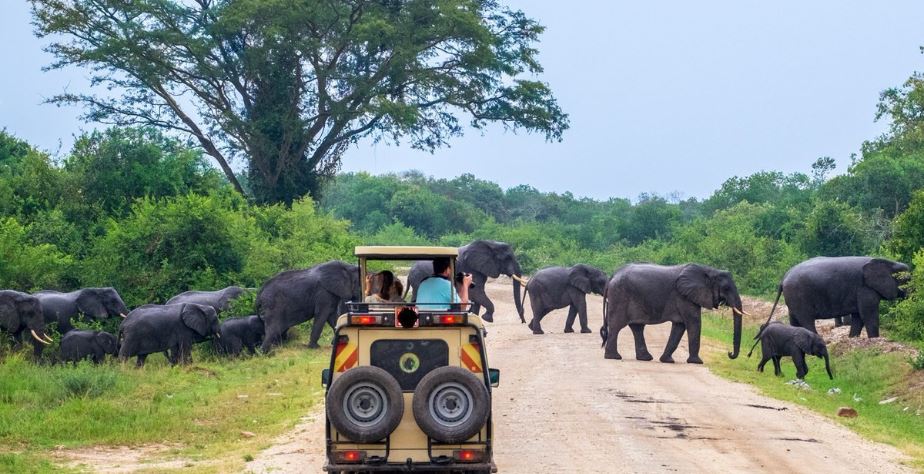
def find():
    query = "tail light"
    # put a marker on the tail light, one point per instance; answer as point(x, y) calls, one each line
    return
point(468, 455)
point(351, 456)
point(449, 319)
point(366, 319)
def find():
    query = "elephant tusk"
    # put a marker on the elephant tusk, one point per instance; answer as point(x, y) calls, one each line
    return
point(741, 312)
point(519, 279)
point(37, 338)
point(48, 338)
point(123, 315)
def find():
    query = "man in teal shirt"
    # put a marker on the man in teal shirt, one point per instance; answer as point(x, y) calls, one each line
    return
point(435, 292)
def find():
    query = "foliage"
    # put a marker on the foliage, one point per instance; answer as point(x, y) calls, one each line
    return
point(26, 266)
point(908, 230)
point(905, 319)
point(290, 85)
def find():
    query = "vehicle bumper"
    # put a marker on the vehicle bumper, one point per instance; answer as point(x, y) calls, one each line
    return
point(412, 467)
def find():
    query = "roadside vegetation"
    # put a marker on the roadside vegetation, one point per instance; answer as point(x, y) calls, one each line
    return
point(881, 385)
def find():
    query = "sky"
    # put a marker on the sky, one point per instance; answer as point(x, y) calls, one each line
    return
point(663, 96)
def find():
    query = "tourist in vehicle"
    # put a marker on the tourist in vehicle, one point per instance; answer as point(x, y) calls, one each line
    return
point(436, 293)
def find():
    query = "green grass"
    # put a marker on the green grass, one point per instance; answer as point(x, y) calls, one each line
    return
point(868, 374)
point(198, 411)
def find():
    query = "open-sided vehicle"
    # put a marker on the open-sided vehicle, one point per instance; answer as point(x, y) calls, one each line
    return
point(408, 388)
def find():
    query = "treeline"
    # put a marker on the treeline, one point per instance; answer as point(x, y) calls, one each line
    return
point(145, 213)
point(133, 209)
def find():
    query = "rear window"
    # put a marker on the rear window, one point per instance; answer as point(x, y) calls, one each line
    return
point(408, 360)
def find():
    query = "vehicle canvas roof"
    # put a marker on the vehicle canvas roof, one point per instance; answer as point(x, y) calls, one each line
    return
point(398, 252)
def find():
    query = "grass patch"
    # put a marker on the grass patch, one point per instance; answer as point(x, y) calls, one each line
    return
point(864, 376)
point(197, 412)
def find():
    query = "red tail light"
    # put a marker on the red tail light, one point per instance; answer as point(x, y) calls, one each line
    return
point(467, 455)
point(349, 456)
point(365, 320)
point(449, 319)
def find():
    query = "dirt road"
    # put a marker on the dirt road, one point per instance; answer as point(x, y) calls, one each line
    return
point(561, 407)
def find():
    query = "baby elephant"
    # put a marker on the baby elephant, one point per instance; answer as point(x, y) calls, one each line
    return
point(238, 333)
point(77, 345)
point(778, 340)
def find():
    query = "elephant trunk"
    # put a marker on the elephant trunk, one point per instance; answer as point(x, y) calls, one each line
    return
point(736, 338)
point(516, 297)
point(828, 366)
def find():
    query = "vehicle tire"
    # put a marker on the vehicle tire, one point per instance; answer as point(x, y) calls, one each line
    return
point(365, 404)
point(451, 404)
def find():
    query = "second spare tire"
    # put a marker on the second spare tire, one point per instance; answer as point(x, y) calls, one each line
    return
point(365, 404)
point(451, 404)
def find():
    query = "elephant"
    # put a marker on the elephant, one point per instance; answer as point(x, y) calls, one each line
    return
point(778, 340)
point(558, 287)
point(238, 333)
point(219, 299)
point(295, 296)
point(642, 294)
point(77, 345)
point(171, 328)
point(96, 303)
point(483, 259)
point(828, 287)
point(20, 312)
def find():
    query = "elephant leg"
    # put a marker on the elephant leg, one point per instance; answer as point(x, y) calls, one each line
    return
point(693, 333)
point(569, 321)
point(272, 337)
point(677, 330)
point(762, 363)
point(798, 359)
point(478, 296)
point(856, 325)
point(536, 323)
point(611, 351)
point(641, 349)
point(581, 305)
point(869, 316)
point(139, 361)
point(777, 370)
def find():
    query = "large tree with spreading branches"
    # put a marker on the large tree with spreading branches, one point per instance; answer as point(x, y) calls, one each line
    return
point(287, 85)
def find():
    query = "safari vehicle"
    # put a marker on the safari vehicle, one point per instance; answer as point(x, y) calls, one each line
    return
point(408, 388)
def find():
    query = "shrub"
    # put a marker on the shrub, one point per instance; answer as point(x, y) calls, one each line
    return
point(88, 381)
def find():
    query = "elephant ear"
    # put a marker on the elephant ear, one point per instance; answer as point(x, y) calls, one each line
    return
point(695, 285)
point(106, 341)
point(579, 278)
point(88, 303)
point(877, 274)
point(9, 316)
point(804, 341)
point(194, 318)
point(481, 257)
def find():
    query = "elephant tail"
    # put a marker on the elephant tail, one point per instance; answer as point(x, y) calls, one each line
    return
point(604, 332)
point(760, 332)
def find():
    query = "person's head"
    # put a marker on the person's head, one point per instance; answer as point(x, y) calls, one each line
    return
point(386, 281)
point(399, 289)
point(441, 266)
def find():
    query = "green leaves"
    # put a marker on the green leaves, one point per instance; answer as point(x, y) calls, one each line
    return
point(289, 85)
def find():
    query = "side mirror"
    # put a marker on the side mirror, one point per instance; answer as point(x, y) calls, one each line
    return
point(494, 376)
point(325, 377)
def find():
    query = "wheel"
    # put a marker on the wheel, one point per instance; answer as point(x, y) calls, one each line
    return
point(365, 404)
point(451, 404)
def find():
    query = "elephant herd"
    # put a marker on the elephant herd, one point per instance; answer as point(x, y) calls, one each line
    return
point(636, 295)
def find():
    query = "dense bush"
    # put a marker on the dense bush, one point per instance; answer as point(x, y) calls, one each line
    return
point(906, 318)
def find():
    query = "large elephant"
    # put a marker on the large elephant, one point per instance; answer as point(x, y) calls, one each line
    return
point(219, 299)
point(171, 328)
point(778, 340)
point(641, 294)
point(95, 303)
point(21, 312)
point(827, 287)
point(483, 259)
point(557, 287)
point(295, 296)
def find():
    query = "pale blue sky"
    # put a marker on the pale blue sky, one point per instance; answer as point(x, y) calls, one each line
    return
point(663, 96)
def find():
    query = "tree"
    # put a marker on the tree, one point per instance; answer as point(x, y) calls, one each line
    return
point(289, 85)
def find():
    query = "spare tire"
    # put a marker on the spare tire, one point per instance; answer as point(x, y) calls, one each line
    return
point(365, 404)
point(451, 404)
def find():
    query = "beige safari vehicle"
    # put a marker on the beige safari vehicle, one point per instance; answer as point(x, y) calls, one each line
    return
point(408, 388)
